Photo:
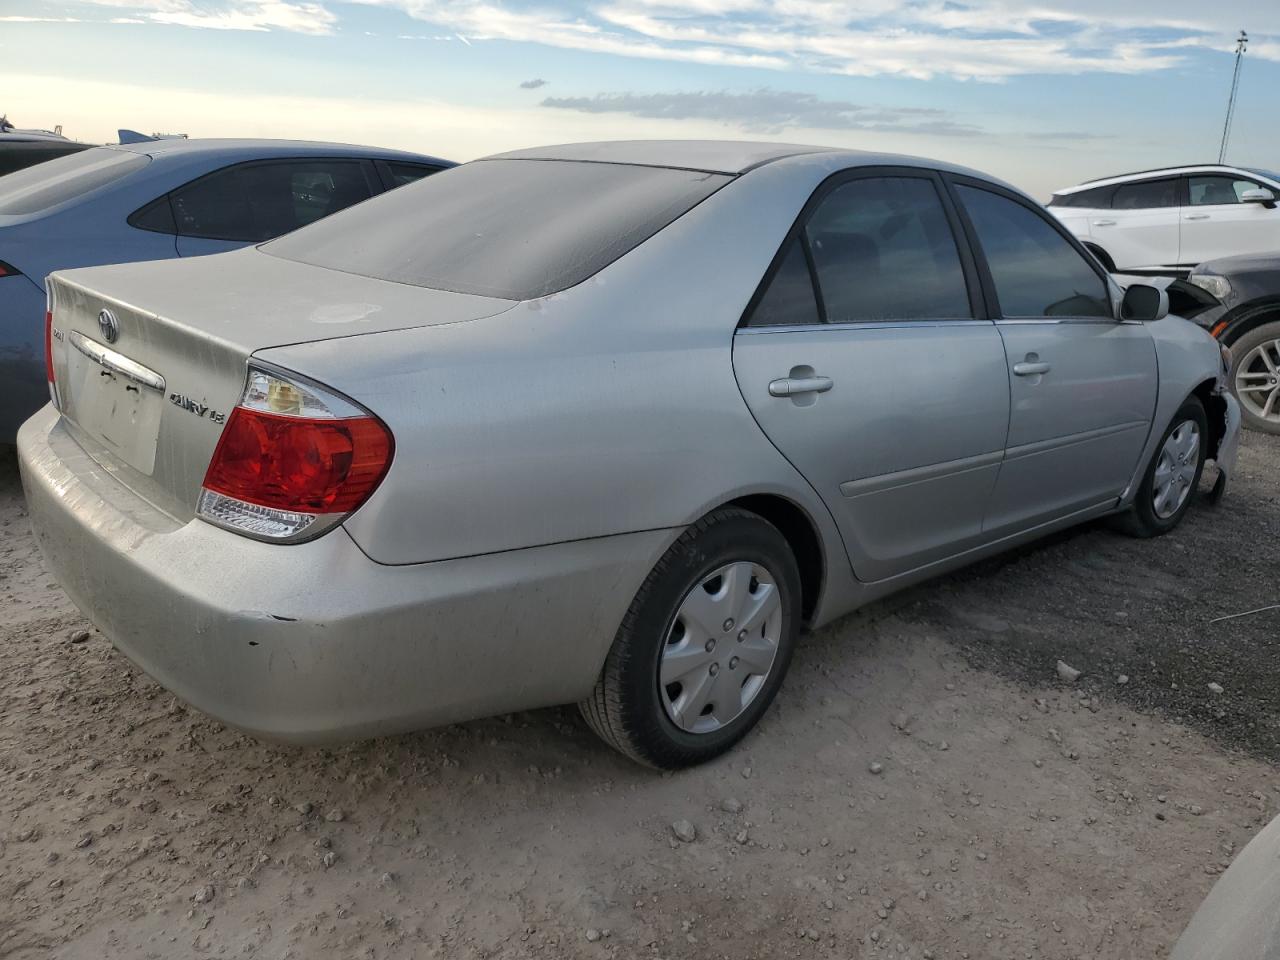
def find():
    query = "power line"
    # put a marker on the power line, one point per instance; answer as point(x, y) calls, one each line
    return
point(1241, 43)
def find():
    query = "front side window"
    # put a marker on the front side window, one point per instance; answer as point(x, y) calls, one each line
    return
point(1146, 195)
point(1095, 198)
point(258, 201)
point(1213, 191)
point(1036, 271)
point(883, 250)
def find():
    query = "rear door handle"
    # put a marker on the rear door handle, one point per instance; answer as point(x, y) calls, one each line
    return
point(1197, 216)
point(1029, 369)
point(797, 386)
point(1104, 223)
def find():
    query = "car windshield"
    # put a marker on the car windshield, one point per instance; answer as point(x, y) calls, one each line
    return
point(517, 229)
point(54, 182)
point(1269, 174)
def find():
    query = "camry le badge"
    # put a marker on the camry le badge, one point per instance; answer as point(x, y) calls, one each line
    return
point(109, 326)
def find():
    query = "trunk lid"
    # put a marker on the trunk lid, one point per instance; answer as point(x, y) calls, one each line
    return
point(146, 388)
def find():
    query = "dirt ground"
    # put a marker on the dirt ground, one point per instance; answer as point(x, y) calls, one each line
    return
point(1014, 815)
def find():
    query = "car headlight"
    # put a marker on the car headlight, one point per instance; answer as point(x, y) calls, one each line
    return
point(1220, 287)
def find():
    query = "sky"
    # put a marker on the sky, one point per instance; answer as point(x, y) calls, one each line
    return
point(1043, 93)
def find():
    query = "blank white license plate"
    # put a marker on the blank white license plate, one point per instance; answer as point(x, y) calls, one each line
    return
point(116, 409)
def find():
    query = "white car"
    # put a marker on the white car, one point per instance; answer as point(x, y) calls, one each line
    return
point(1167, 221)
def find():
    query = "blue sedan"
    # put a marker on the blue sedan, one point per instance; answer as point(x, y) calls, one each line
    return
point(154, 201)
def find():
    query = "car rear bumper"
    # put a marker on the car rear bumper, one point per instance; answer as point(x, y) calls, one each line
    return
point(315, 642)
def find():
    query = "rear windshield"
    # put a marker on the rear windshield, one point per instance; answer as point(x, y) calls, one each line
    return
point(48, 184)
point(516, 229)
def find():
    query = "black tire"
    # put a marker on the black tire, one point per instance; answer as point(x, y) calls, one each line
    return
point(1103, 257)
point(1241, 349)
point(627, 707)
point(1142, 520)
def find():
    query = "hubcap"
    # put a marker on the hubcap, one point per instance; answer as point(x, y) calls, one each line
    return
point(1258, 381)
point(1176, 469)
point(720, 647)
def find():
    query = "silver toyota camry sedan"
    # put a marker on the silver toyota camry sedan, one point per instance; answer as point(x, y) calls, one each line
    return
point(602, 423)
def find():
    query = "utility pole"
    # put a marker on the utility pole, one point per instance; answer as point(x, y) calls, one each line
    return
point(1241, 43)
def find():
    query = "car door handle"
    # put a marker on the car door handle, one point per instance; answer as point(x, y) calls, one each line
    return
point(1104, 223)
point(1030, 368)
point(796, 386)
point(1196, 216)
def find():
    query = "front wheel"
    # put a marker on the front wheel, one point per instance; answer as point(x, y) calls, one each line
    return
point(1255, 377)
point(1172, 476)
point(704, 646)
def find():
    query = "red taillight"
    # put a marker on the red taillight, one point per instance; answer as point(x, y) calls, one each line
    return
point(48, 345)
point(299, 464)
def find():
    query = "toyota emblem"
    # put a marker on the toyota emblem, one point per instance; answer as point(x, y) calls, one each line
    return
point(109, 326)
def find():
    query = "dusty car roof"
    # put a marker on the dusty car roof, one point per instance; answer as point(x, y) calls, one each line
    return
point(714, 156)
point(262, 147)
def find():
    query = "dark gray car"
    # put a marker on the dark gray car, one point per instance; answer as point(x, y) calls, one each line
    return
point(1246, 318)
point(159, 200)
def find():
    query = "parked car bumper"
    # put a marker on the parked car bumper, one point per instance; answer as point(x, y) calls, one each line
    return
point(315, 642)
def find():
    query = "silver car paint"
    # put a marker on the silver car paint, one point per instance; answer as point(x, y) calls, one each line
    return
point(586, 428)
point(315, 642)
point(204, 361)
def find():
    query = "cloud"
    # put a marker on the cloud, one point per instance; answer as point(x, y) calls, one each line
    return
point(295, 16)
point(768, 111)
point(533, 84)
point(988, 40)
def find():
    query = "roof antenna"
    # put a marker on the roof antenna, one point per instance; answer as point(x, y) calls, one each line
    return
point(1241, 43)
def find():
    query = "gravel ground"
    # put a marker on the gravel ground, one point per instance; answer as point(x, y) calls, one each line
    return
point(926, 785)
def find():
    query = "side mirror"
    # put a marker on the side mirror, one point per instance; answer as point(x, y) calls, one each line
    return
point(1144, 303)
point(1259, 195)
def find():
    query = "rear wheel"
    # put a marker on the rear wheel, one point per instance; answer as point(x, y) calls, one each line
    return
point(704, 646)
point(1172, 476)
point(1255, 377)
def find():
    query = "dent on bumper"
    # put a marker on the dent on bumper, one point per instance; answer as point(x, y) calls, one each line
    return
point(315, 642)
point(1228, 446)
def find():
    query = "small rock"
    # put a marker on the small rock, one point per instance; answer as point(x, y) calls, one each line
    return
point(304, 807)
point(78, 636)
point(731, 805)
point(746, 773)
point(1216, 688)
point(335, 816)
point(84, 841)
point(742, 837)
point(875, 767)
point(1122, 679)
point(1160, 815)
point(329, 859)
point(684, 831)
point(1067, 672)
point(205, 894)
point(1195, 809)
point(593, 935)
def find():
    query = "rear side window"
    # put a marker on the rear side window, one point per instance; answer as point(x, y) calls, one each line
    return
point(883, 250)
point(789, 299)
point(402, 173)
point(516, 229)
point(1036, 271)
point(1146, 195)
point(258, 201)
point(46, 185)
point(1096, 198)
